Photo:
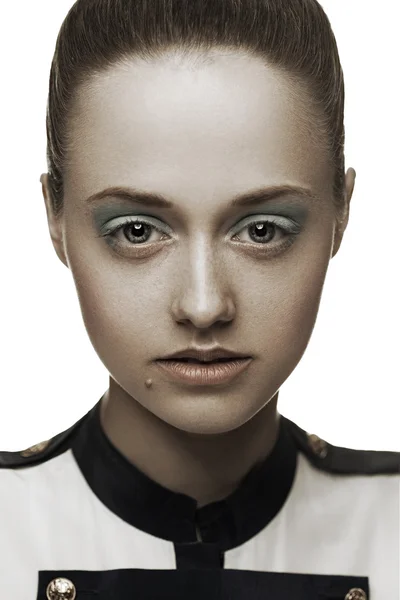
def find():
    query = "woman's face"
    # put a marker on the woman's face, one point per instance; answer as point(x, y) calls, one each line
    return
point(201, 273)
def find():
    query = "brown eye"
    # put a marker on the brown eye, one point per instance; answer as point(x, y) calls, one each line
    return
point(135, 232)
point(264, 231)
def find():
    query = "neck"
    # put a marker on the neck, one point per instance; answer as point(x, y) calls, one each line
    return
point(206, 467)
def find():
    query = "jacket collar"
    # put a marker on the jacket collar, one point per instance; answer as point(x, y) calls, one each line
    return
point(163, 513)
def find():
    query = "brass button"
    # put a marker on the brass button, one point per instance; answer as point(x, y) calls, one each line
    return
point(61, 589)
point(356, 594)
point(318, 446)
point(35, 449)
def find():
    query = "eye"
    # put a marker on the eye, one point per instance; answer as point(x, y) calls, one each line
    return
point(136, 231)
point(270, 231)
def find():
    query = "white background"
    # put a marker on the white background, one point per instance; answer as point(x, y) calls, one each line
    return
point(345, 388)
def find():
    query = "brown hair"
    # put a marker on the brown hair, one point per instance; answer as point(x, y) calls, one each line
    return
point(293, 35)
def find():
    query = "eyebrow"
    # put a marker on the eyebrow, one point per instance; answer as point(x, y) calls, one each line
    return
point(152, 199)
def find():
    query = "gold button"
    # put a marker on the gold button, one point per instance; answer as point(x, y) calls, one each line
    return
point(35, 449)
point(356, 594)
point(318, 446)
point(61, 589)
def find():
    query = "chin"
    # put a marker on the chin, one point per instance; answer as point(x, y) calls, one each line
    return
point(208, 417)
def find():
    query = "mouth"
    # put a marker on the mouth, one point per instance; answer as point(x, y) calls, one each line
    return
point(220, 371)
point(201, 362)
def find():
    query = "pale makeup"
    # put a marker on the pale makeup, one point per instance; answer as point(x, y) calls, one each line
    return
point(245, 276)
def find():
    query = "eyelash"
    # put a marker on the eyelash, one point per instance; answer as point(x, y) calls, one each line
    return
point(291, 230)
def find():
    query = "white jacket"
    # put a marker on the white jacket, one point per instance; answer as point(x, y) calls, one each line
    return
point(313, 522)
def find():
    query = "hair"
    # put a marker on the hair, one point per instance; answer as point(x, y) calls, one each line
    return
point(293, 35)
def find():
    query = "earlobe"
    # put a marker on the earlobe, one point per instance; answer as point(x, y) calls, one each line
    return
point(54, 224)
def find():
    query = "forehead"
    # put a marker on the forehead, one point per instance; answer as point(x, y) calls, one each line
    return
point(223, 123)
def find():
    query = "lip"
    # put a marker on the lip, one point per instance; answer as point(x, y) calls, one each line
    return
point(213, 373)
point(209, 354)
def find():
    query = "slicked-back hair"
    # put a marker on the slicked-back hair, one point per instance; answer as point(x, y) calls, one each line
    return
point(293, 35)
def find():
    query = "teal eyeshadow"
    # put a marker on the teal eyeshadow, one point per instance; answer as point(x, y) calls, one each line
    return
point(297, 212)
point(105, 213)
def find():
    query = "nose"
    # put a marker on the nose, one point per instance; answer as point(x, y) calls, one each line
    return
point(203, 296)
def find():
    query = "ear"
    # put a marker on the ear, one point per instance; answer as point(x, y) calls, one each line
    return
point(343, 220)
point(54, 223)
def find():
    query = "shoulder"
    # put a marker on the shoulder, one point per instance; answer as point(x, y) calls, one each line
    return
point(42, 451)
point(336, 459)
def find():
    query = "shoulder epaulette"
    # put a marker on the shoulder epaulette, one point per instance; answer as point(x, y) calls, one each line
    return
point(322, 454)
point(42, 451)
point(346, 461)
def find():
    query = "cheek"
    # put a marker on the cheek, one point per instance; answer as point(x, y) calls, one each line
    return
point(120, 306)
point(286, 316)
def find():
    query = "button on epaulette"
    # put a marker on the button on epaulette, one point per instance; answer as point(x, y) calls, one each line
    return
point(317, 445)
point(36, 449)
point(45, 450)
point(61, 589)
point(341, 460)
point(356, 594)
point(34, 454)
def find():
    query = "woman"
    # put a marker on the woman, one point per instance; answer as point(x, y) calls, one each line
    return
point(196, 190)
